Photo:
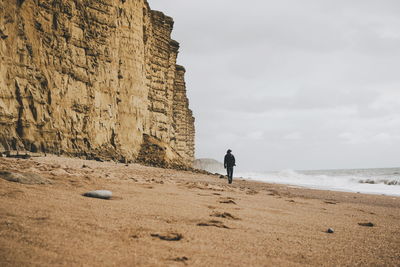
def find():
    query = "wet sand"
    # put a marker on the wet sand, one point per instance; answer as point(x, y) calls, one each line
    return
point(160, 217)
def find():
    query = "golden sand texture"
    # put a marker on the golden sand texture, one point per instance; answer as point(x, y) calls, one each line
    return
point(161, 217)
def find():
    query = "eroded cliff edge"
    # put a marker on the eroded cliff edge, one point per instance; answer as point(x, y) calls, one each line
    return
point(93, 78)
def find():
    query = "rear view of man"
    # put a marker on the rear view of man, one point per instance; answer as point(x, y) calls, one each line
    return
point(229, 162)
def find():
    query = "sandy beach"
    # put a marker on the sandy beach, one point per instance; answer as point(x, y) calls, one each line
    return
point(163, 217)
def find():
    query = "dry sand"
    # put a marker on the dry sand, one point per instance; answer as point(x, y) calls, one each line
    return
point(161, 217)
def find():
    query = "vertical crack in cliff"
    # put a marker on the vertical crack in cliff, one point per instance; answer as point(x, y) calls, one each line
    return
point(112, 140)
point(20, 2)
point(20, 128)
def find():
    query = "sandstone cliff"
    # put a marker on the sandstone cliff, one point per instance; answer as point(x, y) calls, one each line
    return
point(93, 78)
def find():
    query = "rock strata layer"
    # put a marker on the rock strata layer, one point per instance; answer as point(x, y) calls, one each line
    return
point(92, 78)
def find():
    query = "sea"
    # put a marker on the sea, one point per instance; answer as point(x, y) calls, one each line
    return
point(382, 181)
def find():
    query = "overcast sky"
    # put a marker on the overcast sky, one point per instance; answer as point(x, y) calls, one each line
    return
point(288, 84)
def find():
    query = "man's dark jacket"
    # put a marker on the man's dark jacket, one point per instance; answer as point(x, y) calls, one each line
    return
point(229, 160)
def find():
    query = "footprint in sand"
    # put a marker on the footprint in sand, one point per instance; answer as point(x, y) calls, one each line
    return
point(225, 215)
point(372, 213)
point(227, 200)
point(168, 236)
point(273, 193)
point(154, 181)
point(40, 220)
point(214, 223)
point(368, 224)
point(181, 259)
point(331, 202)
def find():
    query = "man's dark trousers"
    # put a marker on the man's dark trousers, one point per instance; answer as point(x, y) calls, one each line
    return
point(229, 170)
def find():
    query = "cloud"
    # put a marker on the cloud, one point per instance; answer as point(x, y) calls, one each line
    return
point(389, 101)
point(363, 138)
point(293, 136)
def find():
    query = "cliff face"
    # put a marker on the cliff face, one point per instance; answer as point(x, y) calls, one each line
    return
point(93, 78)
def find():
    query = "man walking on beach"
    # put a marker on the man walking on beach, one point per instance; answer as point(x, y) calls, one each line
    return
point(229, 162)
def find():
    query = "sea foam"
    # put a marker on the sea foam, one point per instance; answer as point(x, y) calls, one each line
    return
point(372, 181)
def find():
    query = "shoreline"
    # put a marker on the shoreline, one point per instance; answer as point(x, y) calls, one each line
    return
point(168, 217)
point(322, 189)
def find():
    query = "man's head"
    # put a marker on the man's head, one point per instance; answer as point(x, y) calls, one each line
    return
point(229, 151)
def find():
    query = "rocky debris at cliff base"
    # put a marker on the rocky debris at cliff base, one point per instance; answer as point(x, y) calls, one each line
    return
point(23, 178)
point(102, 194)
point(19, 156)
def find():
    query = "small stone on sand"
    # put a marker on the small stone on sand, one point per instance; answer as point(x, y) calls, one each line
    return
point(330, 231)
point(102, 194)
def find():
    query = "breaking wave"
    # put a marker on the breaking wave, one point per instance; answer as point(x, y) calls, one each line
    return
point(372, 181)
